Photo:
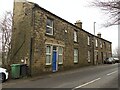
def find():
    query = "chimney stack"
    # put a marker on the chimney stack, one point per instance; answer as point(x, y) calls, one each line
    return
point(78, 24)
point(20, 0)
point(99, 34)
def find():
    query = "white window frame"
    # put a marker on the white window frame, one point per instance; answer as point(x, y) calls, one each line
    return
point(88, 40)
point(109, 47)
point(60, 54)
point(89, 56)
point(51, 27)
point(101, 44)
point(50, 54)
point(76, 55)
point(104, 45)
point(75, 36)
point(96, 42)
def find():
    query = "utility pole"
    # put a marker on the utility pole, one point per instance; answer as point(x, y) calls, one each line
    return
point(94, 59)
point(31, 56)
point(31, 41)
point(94, 27)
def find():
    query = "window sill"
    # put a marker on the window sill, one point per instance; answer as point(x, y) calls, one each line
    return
point(48, 64)
point(89, 61)
point(52, 36)
point(75, 42)
point(75, 62)
point(60, 63)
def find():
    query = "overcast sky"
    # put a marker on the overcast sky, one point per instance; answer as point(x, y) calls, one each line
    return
point(73, 10)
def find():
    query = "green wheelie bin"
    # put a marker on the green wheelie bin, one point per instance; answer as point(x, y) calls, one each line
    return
point(15, 71)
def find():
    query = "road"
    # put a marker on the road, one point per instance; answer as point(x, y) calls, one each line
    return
point(102, 76)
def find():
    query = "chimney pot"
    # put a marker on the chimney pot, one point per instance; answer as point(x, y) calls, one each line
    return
point(78, 23)
point(99, 34)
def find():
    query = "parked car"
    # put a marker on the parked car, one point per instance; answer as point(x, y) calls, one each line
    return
point(109, 60)
point(117, 60)
point(3, 74)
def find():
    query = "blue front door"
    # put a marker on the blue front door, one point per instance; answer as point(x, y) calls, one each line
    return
point(54, 61)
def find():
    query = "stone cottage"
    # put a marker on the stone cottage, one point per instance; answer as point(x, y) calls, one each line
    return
point(48, 43)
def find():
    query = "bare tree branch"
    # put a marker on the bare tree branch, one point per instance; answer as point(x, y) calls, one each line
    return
point(6, 28)
point(111, 7)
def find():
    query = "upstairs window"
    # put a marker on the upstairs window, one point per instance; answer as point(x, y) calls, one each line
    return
point(88, 40)
point(75, 36)
point(49, 27)
point(109, 47)
point(101, 44)
point(96, 42)
point(104, 45)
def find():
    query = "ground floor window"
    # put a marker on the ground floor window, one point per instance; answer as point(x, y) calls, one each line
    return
point(48, 55)
point(75, 55)
point(60, 55)
point(88, 56)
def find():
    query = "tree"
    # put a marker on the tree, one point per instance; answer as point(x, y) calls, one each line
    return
point(111, 7)
point(6, 29)
point(115, 52)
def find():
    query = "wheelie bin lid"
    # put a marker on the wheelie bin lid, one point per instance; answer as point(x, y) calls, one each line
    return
point(15, 65)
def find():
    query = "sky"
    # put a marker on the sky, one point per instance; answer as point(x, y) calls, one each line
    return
point(73, 10)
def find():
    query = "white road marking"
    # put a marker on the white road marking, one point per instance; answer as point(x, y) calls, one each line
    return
point(111, 73)
point(86, 83)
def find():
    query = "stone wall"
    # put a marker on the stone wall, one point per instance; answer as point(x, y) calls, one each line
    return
point(22, 31)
